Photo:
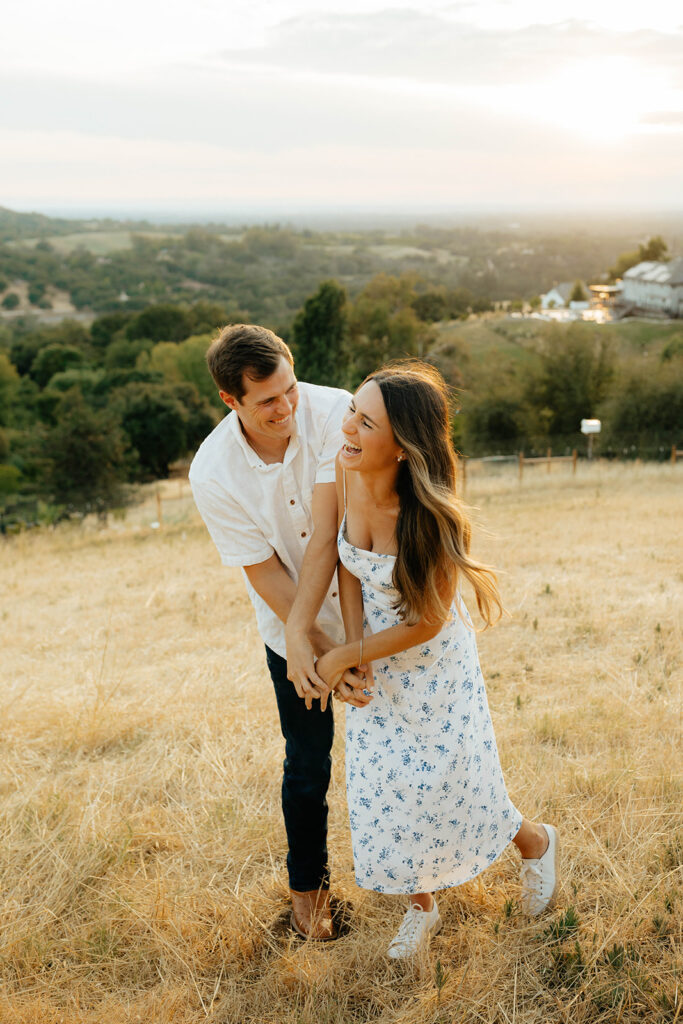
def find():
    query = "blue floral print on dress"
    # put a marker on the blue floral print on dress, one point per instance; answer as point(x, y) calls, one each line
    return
point(427, 801)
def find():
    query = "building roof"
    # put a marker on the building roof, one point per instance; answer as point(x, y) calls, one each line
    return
point(657, 273)
point(565, 288)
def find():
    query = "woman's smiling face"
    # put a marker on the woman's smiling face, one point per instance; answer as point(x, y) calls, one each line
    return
point(370, 445)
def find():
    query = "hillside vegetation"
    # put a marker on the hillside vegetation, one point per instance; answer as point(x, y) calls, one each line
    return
point(117, 393)
point(142, 870)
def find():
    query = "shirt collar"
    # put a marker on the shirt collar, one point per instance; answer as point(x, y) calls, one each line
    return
point(255, 461)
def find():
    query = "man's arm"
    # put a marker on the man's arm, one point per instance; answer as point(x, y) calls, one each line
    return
point(274, 585)
point(317, 570)
point(240, 542)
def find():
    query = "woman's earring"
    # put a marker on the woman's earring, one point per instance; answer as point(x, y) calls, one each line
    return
point(400, 458)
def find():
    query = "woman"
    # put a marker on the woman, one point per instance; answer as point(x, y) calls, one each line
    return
point(427, 800)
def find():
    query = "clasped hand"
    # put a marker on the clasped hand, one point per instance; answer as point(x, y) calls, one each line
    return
point(316, 680)
point(350, 685)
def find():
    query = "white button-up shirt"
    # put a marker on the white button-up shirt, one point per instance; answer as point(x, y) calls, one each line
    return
point(253, 509)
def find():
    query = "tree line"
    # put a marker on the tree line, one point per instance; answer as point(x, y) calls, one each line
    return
point(265, 273)
point(88, 412)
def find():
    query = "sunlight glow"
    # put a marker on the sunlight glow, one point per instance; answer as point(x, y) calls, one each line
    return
point(600, 99)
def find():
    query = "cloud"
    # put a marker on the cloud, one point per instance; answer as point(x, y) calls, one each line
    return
point(410, 44)
point(396, 106)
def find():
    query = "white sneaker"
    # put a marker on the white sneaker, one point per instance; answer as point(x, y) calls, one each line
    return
point(540, 877)
point(416, 927)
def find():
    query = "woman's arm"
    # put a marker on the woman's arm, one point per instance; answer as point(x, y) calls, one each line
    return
point(380, 645)
point(351, 601)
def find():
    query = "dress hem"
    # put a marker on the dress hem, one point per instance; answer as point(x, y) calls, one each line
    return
point(434, 885)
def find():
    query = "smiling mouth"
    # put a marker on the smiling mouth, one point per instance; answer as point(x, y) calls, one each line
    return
point(278, 423)
point(350, 449)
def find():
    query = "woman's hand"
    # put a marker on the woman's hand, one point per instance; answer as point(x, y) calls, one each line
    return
point(351, 685)
point(331, 668)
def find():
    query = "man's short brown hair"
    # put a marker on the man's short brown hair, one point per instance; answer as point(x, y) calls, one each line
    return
point(244, 350)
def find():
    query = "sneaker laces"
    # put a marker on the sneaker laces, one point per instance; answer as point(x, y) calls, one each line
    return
point(531, 872)
point(532, 884)
point(410, 927)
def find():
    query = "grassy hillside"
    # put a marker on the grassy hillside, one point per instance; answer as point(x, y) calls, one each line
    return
point(498, 337)
point(142, 870)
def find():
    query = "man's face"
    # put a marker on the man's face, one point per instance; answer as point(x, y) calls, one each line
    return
point(267, 408)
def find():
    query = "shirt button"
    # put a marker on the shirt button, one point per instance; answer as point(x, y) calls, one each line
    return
point(334, 593)
point(303, 533)
point(291, 501)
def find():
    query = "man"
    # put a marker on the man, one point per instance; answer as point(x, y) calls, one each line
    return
point(263, 481)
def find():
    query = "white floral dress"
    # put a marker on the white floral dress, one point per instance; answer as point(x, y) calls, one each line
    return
point(427, 800)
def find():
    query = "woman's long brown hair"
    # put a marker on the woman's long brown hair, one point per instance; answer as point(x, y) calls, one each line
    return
point(433, 531)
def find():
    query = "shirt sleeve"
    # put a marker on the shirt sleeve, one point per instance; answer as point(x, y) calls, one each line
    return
point(238, 539)
point(332, 440)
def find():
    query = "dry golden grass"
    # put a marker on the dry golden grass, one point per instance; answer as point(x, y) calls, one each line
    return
point(142, 851)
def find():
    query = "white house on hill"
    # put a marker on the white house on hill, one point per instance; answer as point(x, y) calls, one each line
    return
point(657, 287)
point(558, 297)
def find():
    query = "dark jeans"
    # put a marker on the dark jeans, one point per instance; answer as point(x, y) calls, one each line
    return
point(306, 776)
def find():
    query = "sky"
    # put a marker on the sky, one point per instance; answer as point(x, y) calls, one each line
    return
point(201, 106)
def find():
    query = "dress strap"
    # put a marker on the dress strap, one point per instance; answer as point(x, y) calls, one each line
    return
point(344, 483)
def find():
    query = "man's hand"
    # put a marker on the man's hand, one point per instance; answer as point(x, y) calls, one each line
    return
point(301, 669)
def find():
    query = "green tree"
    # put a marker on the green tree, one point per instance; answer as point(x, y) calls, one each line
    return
point(645, 410)
point(9, 386)
point(85, 459)
point(384, 326)
point(199, 418)
point(578, 294)
point(85, 379)
point(430, 306)
point(54, 359)
point(655, 250)
point(185, 362)
point(162, 322)
point(154, 421)
point(11, 300)
point(105, 328)
point(124, 352)
point(576, 366)
point(319, 336)
point(206, 317)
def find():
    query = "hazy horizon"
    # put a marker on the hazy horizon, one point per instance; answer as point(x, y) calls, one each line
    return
point(370, 217)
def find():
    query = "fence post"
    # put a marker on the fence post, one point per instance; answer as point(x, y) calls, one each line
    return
point(549, 455)
point(674, 453)
point(521, 465)
point(574, 458)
